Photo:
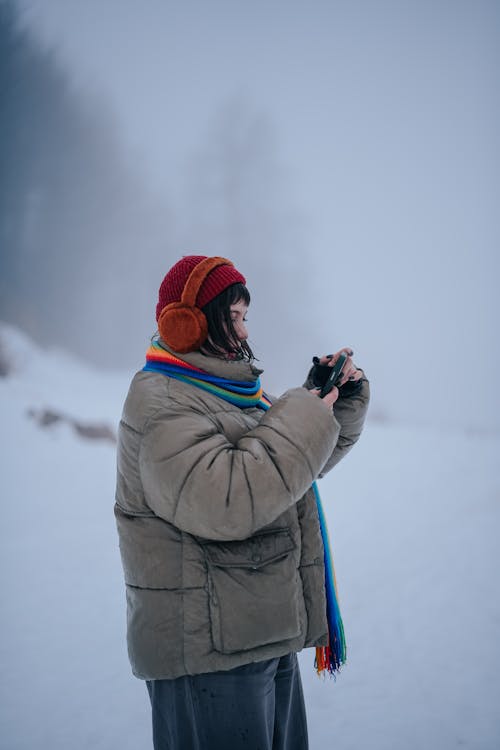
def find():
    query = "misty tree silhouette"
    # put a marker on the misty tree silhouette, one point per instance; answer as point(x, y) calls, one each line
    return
point(74, 219)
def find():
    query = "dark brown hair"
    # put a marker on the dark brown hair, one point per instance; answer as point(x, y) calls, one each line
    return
point(221, 334)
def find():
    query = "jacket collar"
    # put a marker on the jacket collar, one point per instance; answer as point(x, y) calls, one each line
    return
point(231, 369)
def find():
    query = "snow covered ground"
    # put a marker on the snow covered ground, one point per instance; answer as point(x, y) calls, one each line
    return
point(415, 521)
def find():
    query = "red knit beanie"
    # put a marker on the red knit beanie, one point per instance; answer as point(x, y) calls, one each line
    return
point(174, 282)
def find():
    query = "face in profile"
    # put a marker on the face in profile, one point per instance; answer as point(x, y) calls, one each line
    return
point(226, 319)
point(238, 313)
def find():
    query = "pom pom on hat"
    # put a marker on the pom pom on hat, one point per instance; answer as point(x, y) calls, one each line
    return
point(173, 284)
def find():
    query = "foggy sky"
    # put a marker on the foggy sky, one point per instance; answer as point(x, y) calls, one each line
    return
point(385, 119)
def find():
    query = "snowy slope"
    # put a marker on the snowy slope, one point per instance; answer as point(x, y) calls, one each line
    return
point(415, 520)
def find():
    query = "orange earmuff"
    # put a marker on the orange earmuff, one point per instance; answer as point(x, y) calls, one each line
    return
point(182, 325)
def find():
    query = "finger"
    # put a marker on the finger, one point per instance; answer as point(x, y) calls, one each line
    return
point(325, 359)
point(344, 379)
point(347, 351)
point(331, 397)
point(355, 376)
point(347, 368)
point(330, 359)
point(348, 371)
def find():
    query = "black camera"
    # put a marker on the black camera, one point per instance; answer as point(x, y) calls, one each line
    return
point(326, 376)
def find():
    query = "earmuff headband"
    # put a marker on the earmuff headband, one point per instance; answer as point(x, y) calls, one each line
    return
point(183, 325)
point(197, 277)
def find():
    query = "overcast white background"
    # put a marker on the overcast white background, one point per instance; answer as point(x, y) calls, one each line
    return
point(414, 520)
point(383, 120)
point(345, 155)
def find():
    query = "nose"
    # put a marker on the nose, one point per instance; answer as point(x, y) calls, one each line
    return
point(241, 331)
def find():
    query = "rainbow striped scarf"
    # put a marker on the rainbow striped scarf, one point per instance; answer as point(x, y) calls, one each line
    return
point(246, 394)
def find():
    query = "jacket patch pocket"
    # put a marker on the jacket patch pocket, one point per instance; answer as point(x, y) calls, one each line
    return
point(253, 591)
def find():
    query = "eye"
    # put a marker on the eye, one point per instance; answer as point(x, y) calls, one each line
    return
point(237, 317)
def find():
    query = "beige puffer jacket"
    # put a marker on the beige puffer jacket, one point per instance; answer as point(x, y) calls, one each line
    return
point(218, 528)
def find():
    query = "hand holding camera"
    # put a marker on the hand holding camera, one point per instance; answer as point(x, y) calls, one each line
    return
point(334, 371)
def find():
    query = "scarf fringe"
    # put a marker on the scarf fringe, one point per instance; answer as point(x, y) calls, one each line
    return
point(330, 658)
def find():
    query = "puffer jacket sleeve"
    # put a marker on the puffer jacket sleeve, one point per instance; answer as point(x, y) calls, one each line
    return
point(350, 412)
point(194, 478)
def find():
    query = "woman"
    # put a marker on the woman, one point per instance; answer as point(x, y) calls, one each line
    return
point(218, 521)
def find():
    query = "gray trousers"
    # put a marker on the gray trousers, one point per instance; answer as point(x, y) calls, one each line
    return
point(254, 707)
